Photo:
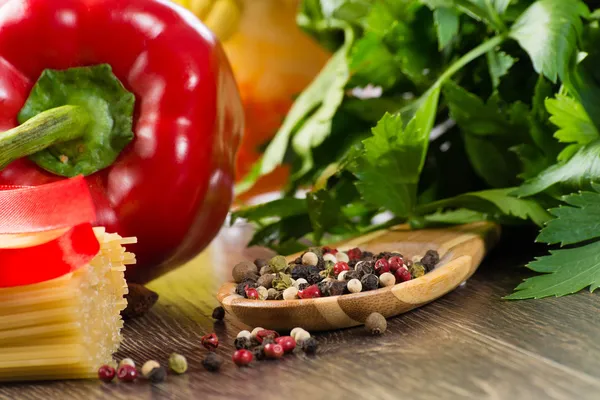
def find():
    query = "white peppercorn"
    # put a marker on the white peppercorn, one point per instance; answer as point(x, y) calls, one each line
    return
point(354, 286)
point(342, 276)
point(299, 282)
point(178, 363)
point(245, 334)
point(290, 293)
point(416, 258)
point(301, 335)
point(342, 257)
point(255, 331)
point(387, 279)
point(263, 293)
point(295, 330)
point(148, 367)
point(310, 258)
point(330, 257)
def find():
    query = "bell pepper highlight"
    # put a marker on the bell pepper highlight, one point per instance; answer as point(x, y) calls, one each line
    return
point(137, 96)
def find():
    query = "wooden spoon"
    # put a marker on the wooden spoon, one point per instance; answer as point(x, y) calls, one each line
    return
point(461, 250)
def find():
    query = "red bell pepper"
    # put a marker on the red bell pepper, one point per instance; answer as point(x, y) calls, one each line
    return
point(163, 174)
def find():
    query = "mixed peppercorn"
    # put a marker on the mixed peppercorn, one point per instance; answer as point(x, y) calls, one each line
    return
point(322, 272)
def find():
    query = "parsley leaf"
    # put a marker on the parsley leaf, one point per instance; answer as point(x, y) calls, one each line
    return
point(388, 171)
point(577, 222)
point(499, 64)
point(447, 23)
point(574, 123)
point(549, 31)
point(282, 208)
point(496, 203)
point(564, 272)
point(575, 174)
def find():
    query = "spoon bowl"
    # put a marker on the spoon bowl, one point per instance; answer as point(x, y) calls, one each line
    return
point(461, 249)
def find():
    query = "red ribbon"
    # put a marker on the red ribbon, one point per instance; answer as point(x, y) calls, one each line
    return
point(26, 213)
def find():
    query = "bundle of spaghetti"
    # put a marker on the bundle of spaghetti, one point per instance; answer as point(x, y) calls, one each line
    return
point(66, 328)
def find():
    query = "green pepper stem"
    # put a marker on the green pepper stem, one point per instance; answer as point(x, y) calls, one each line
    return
point(50, 127)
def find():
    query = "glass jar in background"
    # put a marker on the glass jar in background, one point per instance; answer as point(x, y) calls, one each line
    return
point(273, 61)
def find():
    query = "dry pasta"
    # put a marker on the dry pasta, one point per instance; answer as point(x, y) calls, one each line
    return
point(67, 327)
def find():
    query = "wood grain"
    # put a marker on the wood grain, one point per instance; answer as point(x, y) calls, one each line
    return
point(469, 344)
point(461, 249)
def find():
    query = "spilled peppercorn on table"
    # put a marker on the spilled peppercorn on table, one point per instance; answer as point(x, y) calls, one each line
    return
point(469, 344)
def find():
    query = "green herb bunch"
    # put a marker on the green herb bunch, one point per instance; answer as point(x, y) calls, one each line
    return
point(446, 112)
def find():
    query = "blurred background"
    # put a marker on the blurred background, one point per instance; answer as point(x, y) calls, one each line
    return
point(273, 61)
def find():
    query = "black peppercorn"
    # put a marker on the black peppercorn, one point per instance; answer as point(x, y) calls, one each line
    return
point(298, 261)
point(364, 267)
point(303, 286)
point(369, 282)
point(384, 254)
point(242, 343)
point(324, 287)
point(313, 279)
point(212, 362)
point(300, 271)
point(310, 345)
point(366, 255)
point(337, 288)
point(218, 313)
point(241, 287)
point(313, 269)
point(430, 259)
point(259, 353)
point(352, 274)
point(157, 375)
point(352, 263)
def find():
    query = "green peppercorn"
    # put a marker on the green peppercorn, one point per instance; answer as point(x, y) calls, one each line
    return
point(278, 264)
point(417, 270)
point(212, 362)
point(282, 281)
point(178, 363)
point(376, 324)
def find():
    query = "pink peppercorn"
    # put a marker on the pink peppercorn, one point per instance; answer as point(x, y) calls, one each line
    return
point(273, 351)
point(251, 293)
point(402, 275)
point(127, 373)
point(287, 342)
point(310, 292)
point(106, 373)
point(339, 267)
point(266, 333)
point(354, 254)
point(329, 250)
point(382, 266)
point(395, 263)
point(210, 342)
point(242, 357)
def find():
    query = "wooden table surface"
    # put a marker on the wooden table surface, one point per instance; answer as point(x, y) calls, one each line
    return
point(469, 344)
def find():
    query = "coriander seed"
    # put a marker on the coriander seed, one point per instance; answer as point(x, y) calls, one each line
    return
point(148, 367)
point(218, 313)
point(266, 270)
point(376, 324)
point(178, 363)
point(387, 279)
point(290, 293)
point(260, 262)
point(212, 362)
point(354, 286)
point(266, 281)
point(244, 270)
